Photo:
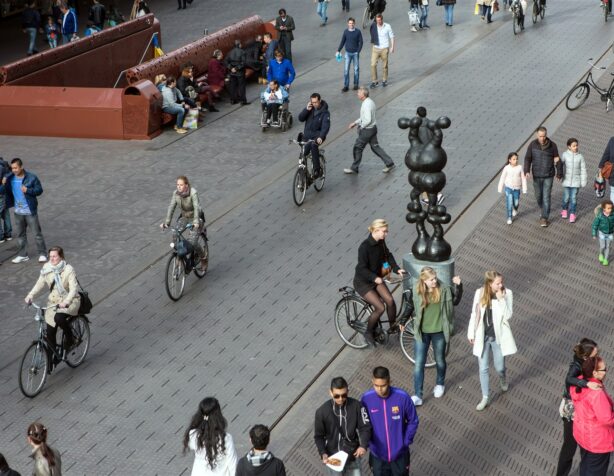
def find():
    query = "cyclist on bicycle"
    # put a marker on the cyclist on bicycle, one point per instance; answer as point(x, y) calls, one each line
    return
point(375, 7)
point(61, 280)
point(521, 5)
point(186, 198)
point(317, 124)
point(375, 262)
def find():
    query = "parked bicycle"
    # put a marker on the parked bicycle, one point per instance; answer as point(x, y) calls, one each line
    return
point(538, 10)
point(181, 262)
point(303, 178)
point(579, 94)
point(42, 357)
point(352, 313)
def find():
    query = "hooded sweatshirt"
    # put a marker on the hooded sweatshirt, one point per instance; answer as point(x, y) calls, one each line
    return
point(263, 464)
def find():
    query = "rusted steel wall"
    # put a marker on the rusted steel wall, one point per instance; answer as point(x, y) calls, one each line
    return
point(200, 51)
point(142, 110)
point(95, 61)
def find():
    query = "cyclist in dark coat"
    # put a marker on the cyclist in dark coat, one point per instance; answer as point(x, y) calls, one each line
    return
point(317, 124)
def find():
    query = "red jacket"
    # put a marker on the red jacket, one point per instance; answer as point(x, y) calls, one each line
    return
point(593, 423)
point(216, 73)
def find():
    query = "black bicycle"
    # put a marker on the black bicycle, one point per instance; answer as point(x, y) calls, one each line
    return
point(183, 260)
point(303, 178)
point(579, 94)
point(352, 313)
point(41, 357)
point(517, 16)
point(538, 10)
point(369, 15)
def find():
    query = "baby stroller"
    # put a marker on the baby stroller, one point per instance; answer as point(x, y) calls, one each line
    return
point(280, 117)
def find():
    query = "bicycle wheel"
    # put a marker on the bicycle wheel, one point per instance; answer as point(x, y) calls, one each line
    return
point(299, 187)
point(318, 184)
point(365, 18)
point(201, 269)
point(534, 16)
point(351, 315)
point(33, 370)
point(406, 339)
point(80, 329)
point(175, 277)
point(577, 96)
point(515, 24)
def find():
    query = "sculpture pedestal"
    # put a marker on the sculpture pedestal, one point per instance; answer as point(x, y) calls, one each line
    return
point(444, 269)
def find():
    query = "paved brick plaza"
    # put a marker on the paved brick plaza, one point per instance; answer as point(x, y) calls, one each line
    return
point(258, 329)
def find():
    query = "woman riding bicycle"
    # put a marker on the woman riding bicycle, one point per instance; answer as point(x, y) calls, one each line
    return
point(375, 262)
point(61, 280)
point(186, 198)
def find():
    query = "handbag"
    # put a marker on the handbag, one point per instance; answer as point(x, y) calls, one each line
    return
point(414, 18)
point(606, 170)
point(86, 303)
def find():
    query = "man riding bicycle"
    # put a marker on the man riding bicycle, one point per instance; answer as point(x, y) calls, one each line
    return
point(375, 7)
point(317, 124)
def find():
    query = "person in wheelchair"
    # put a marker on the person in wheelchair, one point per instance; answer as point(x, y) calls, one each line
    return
point(273, 99)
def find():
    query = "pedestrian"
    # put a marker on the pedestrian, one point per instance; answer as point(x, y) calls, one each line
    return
point(424, 13)
point(235, 64)
point(382, 38)
point(30, 23)
point(22, 188)
point(281, 70)
point(182, 4)
point(485, 10)
point(608, 157)
point(432, 303)
point(51, 32)
point(5, 469)
point(603, 227)
point(98, 14)
point(69, 24)
point(322, 6)
point(583, 350)
point(345, 5)
point(284, 24)
point(512, 180)
point(342, 424)
point(173, 103)
point(574, 178)
point(367, 134)
point(47, 461)
point(216, 71)
point(415, 6)
point(448, 11)
point(394, 421)
point(593, 425)
point(270, 47)
point(543, 162)
point(317, 124)
point(489, 328)
point(259, 461)
point(214, 449)
point(352, 41)
point(6, 229)
point(142, 9)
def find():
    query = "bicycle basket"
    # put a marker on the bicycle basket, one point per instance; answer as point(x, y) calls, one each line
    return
point(184, 248)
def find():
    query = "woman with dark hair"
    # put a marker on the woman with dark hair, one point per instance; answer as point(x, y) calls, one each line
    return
point(593, 426)
point(585, 349)
point(214, 449)
point(47, 461)
point(5, 469)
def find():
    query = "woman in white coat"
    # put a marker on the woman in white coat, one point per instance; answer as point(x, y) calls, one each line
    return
point(489, 329)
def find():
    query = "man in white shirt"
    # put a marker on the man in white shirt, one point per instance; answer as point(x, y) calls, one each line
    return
point(367, 134)
point(382, 38)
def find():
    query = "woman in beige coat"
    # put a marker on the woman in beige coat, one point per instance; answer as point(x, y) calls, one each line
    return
point(61, 280)
point(486, 9)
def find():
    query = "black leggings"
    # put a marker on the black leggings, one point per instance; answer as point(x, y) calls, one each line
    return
point(568, 450)
point(377, 297)
point(63, 321)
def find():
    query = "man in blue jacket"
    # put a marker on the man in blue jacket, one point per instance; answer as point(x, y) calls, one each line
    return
point(69, 23)
point(394, 421)
point(281, 70)
point(23, 188)
point(317, 124)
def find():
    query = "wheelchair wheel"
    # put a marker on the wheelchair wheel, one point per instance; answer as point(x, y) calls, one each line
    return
point(290, 120)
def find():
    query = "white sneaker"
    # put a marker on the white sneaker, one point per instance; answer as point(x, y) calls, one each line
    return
point(348, 171)
point(514, 212)
point(483, 404)
point(42, 259)
point(19, 259)
point(439, 391)
point(413, 28)
point(509, 221)
point(417, 400)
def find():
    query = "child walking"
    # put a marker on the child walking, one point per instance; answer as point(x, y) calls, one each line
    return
point(512, 179)
point(575, 177)
point(603, 227)
point(51, 30)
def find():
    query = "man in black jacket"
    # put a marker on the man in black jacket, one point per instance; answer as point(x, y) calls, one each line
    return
point(235, 62)
point(98, 14)
point(541, 160)
point(284, 24)
point(259, 461)
point(317, 124)
point(30, 23)
point(342, 424)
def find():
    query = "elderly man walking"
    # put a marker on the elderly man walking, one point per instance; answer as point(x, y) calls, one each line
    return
point(367, 134)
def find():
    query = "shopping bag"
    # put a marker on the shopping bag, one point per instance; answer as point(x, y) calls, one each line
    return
point(191, 119)
point(414, 18)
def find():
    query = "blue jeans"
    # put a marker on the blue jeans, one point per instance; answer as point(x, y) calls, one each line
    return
point(176, 109)
point(485, 11)
point(32, 44)
point(512, 198)
point(424, 10)
point(498, 361)
point(421, 349)
point(543, 190)
point(569, 196)
point(349, 58)
point(6, 230)
point(448, 14)
point(321, 10)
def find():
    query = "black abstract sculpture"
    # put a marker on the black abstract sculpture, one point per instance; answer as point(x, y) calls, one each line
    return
point(426, 160)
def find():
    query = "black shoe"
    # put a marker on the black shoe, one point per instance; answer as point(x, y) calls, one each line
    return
point(345, 89)
point(370, 340)
point(394, 329)
point(355, 88)
point(245, 103)
point(213, 109)
point(232, 101)
point(317, 173)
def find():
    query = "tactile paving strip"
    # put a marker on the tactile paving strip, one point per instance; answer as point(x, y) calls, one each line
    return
point(561, 293)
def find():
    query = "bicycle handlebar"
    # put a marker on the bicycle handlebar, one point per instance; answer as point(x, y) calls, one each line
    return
point(593, 64)
point(294, 141)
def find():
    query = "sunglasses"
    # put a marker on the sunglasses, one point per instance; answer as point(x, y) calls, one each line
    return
point(337, 396)
point(601, 370)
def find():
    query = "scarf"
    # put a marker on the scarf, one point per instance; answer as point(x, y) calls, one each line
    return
point(57, 272)
point(185, 194)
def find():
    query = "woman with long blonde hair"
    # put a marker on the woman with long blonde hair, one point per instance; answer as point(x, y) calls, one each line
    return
point(432, 304)
point(489, 329)
point(375, 262)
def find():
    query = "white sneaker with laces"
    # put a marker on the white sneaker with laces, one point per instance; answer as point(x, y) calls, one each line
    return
point(509, 221)
point(417, 400)
point(514, 212)
point(19, 259)
point(483, 404)
point(348, 171)
point(42, 259)
point(439, 391)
